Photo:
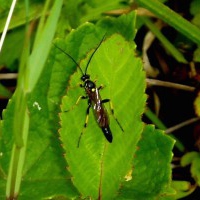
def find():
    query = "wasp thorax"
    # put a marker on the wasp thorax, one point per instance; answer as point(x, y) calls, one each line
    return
point(89, 84)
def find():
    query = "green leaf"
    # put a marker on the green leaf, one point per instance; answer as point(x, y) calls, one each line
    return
point(197, 55)
point(151, 177)
point(44, 171)
point(183, 188)
point(193, 158)
point(79, 42)
point(98, 167)
point(124, 25)
point(194, 7)
point(19, 17)
point(195, 20)
point(4, 5)
point(82, 11)
point(4, 91)
point(12, 44)
point(95, 9)
point(188, 158)
point(38, 159)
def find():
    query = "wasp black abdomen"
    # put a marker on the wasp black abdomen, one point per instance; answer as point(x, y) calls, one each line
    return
point(107, 133)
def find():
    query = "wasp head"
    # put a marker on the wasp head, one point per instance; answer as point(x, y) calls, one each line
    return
point(88, 84)
point(85, 77)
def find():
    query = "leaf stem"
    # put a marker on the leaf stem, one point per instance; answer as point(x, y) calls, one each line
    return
point(169, 84)
point(17, 161)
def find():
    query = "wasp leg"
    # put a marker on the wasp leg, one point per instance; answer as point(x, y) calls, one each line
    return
point(112, 112)
point(101, 87)
point(77, 102)
point(105, 100)
point(81, 97)
point(86, 122)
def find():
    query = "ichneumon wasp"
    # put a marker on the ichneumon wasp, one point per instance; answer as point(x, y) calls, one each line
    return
point(94, 99)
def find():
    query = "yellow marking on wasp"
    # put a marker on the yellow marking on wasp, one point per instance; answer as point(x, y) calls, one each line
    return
point(86, 120)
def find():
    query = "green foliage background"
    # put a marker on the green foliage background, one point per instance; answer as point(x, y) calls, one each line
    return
point(39, 158)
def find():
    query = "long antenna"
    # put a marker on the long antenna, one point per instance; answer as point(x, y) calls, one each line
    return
point(94, 53)
point(69, 57)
